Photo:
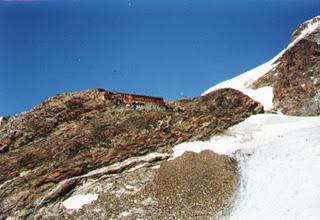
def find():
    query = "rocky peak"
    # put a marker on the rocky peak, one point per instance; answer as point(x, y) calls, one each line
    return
point(296, 76)
point(307, 27)
point(290, 82)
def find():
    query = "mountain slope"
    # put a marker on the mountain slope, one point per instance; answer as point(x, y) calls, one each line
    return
point(96, 154)
point(290, 81)
point(73, 139)
point(279, 158)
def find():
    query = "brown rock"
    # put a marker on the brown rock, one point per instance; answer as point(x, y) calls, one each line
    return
point(296, 77)
point(71, 134)
point(194, 186)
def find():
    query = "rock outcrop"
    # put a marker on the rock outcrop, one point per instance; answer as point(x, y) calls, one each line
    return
point(192, 186)
point(296, 76)
point(290, 82)
point(72, 140)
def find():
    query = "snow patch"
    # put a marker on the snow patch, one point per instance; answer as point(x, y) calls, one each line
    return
point(264, 95)
point(77, 201)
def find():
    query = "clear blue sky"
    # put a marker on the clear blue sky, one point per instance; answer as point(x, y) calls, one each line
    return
point(165, 48)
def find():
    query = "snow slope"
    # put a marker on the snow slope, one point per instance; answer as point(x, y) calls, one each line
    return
point(280, 180)
point(263, 95)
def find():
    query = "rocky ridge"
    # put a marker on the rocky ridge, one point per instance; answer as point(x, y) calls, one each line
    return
point(289, 82)
point(73, 141)
point(296, 76)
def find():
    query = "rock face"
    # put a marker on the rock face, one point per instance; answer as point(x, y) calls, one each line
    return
point(192, 186)
point(72, 140)
point(296, 76)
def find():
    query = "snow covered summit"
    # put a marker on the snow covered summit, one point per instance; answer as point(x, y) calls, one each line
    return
point(290, 82)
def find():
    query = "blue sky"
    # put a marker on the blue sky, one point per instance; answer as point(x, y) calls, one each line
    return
point(165, 48)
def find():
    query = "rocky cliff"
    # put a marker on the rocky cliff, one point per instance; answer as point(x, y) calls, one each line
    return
point(86, 143)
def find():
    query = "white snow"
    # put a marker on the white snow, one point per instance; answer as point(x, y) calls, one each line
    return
point(280, 180)
point(243, 81)
point(280, 170)
point(311, 27)
point(263, 95)
point(136, 162)
point(77, 201)
point(132, 160)
point(235, 138)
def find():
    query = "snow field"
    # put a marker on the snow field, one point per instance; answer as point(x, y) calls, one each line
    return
point(280, 180)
